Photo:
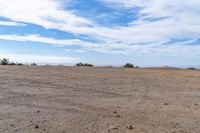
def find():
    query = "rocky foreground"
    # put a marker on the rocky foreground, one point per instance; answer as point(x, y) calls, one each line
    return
point(98, 100)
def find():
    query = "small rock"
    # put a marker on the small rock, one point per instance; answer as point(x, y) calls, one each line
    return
point(12, 125)
point(117, 116)
point(115, 112)
point(129, 126)
point(114, 127)
point(195, 104)
point(36, 126)
point(38, 111)
point(16, 130)
point(165, 103)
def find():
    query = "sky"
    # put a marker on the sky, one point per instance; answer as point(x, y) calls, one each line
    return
point(101, 32)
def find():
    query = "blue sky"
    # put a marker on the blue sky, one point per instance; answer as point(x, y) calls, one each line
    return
point(101, 32)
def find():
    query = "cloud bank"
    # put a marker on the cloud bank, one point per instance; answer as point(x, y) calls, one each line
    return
point(159, 27)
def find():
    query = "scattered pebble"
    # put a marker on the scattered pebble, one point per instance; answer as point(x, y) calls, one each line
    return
point(115, 112)
point(38, 111)
point(117, 116)
point(129, 126)
point(36, 126)
point(12, 125)
point(165, 103)
point(114, 127)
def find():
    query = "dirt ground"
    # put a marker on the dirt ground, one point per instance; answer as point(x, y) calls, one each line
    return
point(98, 100)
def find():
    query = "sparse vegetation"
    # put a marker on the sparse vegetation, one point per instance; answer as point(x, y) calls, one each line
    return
point(84, 64)
point(4, 61)
point(12, 63)
point(128, 65)
point(191, 68)
point(19, 64)
point(33, 64)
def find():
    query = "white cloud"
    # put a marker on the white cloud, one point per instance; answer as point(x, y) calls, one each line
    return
point(40, 59)
point(182, 21)
point(47, 13)
point(183, 48)
point(10, 23)
point(75, 50)
point(52, 41)
point(125, 3)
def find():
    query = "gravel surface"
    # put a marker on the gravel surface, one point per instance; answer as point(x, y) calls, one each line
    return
point(98, 100)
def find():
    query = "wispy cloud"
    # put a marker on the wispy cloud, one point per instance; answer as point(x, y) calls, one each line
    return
point(10, 23)
point(156, 24)
point(52, 41)
point(183, 48)
point(179, 22)
point(47, 13)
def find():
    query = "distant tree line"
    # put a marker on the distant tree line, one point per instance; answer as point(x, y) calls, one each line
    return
point(6, 61)
point(127, 65)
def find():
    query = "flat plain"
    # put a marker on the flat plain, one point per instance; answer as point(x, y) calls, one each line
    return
point(98, 100)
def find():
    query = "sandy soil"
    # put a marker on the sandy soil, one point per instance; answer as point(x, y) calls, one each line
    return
point(98, 100)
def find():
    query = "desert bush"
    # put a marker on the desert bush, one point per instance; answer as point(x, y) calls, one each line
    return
point(4, 61)
point(84, 64)
point(90, 65)
point(19, 64)
point(33, 64)
point(79, 64)
point(191, 68)
point(108, 66)
point(12, 63)
point(128, 65)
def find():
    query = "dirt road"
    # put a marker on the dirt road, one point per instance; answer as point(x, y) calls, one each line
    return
point(98, 100)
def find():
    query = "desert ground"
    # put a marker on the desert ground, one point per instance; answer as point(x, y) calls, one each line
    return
point(98, 100)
